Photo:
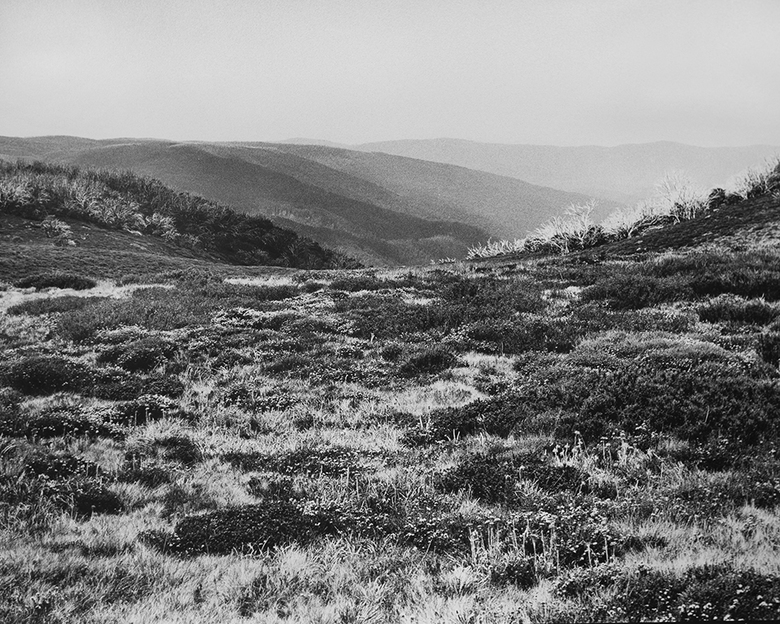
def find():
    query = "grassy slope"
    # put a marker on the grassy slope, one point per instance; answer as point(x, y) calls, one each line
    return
point(543, 439)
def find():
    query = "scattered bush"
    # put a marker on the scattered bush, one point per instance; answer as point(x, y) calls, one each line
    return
point(703, 593)
point(769, 348)
point(57, 465)
point(312, 462)
point(140, 355)
point(146, 408)
point(55, 421)
point(494, 479)
point(46, 374)
point(428, 361)
point(53, 305)
point(56, 280)
point(631, 292)
point(730, 309)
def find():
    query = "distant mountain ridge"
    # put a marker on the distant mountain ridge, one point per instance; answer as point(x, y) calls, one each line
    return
point(380, 208)
point(625, 173)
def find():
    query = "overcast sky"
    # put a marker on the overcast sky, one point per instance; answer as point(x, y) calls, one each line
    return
point(562, 72)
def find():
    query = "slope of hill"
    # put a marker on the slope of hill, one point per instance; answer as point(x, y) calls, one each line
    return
point(126, 214)
point(380, 208)
point(625, 173)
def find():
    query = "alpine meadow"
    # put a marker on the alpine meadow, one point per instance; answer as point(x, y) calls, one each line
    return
point(498, 344)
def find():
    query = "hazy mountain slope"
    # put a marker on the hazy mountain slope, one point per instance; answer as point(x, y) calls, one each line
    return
point(503, 206)
point(624, 173)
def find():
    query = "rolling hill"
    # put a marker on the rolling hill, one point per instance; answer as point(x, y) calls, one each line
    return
point(625, 173)
point(379, 208)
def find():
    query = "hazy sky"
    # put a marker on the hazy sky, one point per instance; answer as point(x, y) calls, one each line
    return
point(564, 72)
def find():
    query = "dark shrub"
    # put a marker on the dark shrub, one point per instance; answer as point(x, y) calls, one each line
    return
point(525, 334)
point(178, 448)
point(750, 282)
point(140, 355)
point(392, 352)
point(56, 280)
point(248, 528)
point(769, 348)
point(148, 473)
point(164, 385)
point(703, 593)
point(428, 361)
point(53, 422)
point(494, 478)
point(113, 384)
point(636, 291)
point(289, 363)
point(733, 310)
point(91, 496)
point(497, 415)
point(331, 461)
point(146, 408)
point(517, 571)
point(46, 374)
point(58, 465)
point(53, 305)
point(359, 282)
point(82, 496)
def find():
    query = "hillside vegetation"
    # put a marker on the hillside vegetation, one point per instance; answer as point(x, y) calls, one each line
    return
point(55, 195)
point(677, 216)
point(568, 437)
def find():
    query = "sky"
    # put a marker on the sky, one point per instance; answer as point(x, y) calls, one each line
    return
point(553, 72)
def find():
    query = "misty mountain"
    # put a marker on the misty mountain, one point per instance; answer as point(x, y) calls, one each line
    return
point(625, 174)
point(379, 208)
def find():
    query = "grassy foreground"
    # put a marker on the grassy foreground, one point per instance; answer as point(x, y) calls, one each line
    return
point(563, 439)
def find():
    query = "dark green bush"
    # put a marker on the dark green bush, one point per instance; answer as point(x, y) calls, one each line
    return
point(55, 421)
point(139, 355)
point(634, 291)
point(177, 448)
point(703, 593)
point(733, 310)
point(46, 374)
point(331, 461)
point(58, 465)
point(146, 408)
point(53, 305)
point(114, 384)
point(769, 348)
point(56, 280)
point(498, 415)
point(79, 495)
point(428, 361)
point(494, 478)
point(248, 528)
point(148, 473)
